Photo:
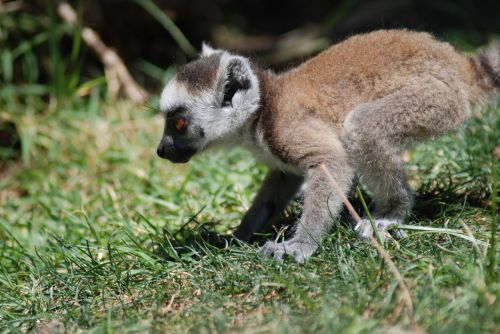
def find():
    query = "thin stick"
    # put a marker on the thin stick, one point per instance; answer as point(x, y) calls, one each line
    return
point(12, 6)
point(340, 193)
point(170, 303)
point(117, 74)
point(405, 293)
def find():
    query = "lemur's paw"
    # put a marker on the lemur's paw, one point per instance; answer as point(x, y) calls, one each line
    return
point(300, 251)
point(364, 228)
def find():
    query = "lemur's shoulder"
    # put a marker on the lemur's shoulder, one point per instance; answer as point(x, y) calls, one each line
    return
point(292, 132)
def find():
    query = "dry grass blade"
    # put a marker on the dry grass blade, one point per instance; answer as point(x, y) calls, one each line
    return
point(453, 232)
point(405, 293)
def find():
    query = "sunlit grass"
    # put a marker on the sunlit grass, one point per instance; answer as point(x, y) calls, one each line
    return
point(99, 234)
point(93, 230)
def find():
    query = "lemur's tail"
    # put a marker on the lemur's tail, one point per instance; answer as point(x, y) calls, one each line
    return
point(485, 80)
point(487, 61)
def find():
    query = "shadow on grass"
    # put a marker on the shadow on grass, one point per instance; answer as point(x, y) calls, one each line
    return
point(431, 202)
point(10, 143)
point(200, 237)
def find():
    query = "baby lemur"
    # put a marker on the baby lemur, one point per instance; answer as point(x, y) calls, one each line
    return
point(354, 108)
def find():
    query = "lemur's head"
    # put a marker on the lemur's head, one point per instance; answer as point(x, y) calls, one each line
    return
point(207, 101)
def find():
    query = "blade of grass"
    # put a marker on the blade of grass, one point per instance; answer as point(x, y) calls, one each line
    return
point(369, 215)
point(428, 229)
point(169, 26)
point(491, 255)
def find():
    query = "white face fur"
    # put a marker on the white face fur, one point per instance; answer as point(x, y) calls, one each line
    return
point(209, 101)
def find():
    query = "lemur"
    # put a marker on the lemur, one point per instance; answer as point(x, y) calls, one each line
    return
point(352, 108)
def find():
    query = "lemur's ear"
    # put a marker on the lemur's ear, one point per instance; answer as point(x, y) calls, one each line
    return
point(239, 73)
point(238, 78)
point(207, 50)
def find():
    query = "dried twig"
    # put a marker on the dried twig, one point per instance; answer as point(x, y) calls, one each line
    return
point(117, 75)
point(11, 6)
point(405, 293)
point(170, 303)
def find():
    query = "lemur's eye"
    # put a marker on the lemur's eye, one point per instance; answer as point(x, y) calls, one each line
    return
point(229, 91)
point(180, 125)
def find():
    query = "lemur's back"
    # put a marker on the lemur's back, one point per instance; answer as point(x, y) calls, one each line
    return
point(366, 67)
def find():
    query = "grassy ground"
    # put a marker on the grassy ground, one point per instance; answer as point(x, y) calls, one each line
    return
point(96, 235)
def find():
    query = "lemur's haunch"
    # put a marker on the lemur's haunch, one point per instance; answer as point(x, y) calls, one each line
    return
point(353, 107)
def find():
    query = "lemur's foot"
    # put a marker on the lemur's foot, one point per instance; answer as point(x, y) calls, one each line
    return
point(364, 228)
point(299, 250)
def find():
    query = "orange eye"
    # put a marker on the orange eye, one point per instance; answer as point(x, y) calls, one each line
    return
point(180, 124)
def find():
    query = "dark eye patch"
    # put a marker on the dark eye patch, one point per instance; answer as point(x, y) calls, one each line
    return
point(175, 111)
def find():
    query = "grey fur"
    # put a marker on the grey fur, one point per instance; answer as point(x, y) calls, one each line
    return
point(377, 132)
point(321, 205)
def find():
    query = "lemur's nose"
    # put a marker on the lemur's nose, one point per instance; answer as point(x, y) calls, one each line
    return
point(160, 152)
point(163, 148)
point(177, 153)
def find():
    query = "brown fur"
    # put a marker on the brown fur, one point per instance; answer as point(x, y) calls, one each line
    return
point(361, 69)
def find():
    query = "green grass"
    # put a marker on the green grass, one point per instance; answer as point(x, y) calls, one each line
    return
point(100, 234)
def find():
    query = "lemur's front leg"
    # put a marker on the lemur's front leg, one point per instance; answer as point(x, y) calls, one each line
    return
point(275, 194)
point(321, 206)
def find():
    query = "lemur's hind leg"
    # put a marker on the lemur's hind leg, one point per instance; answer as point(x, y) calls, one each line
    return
point(377, 132)
point(383, 174)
